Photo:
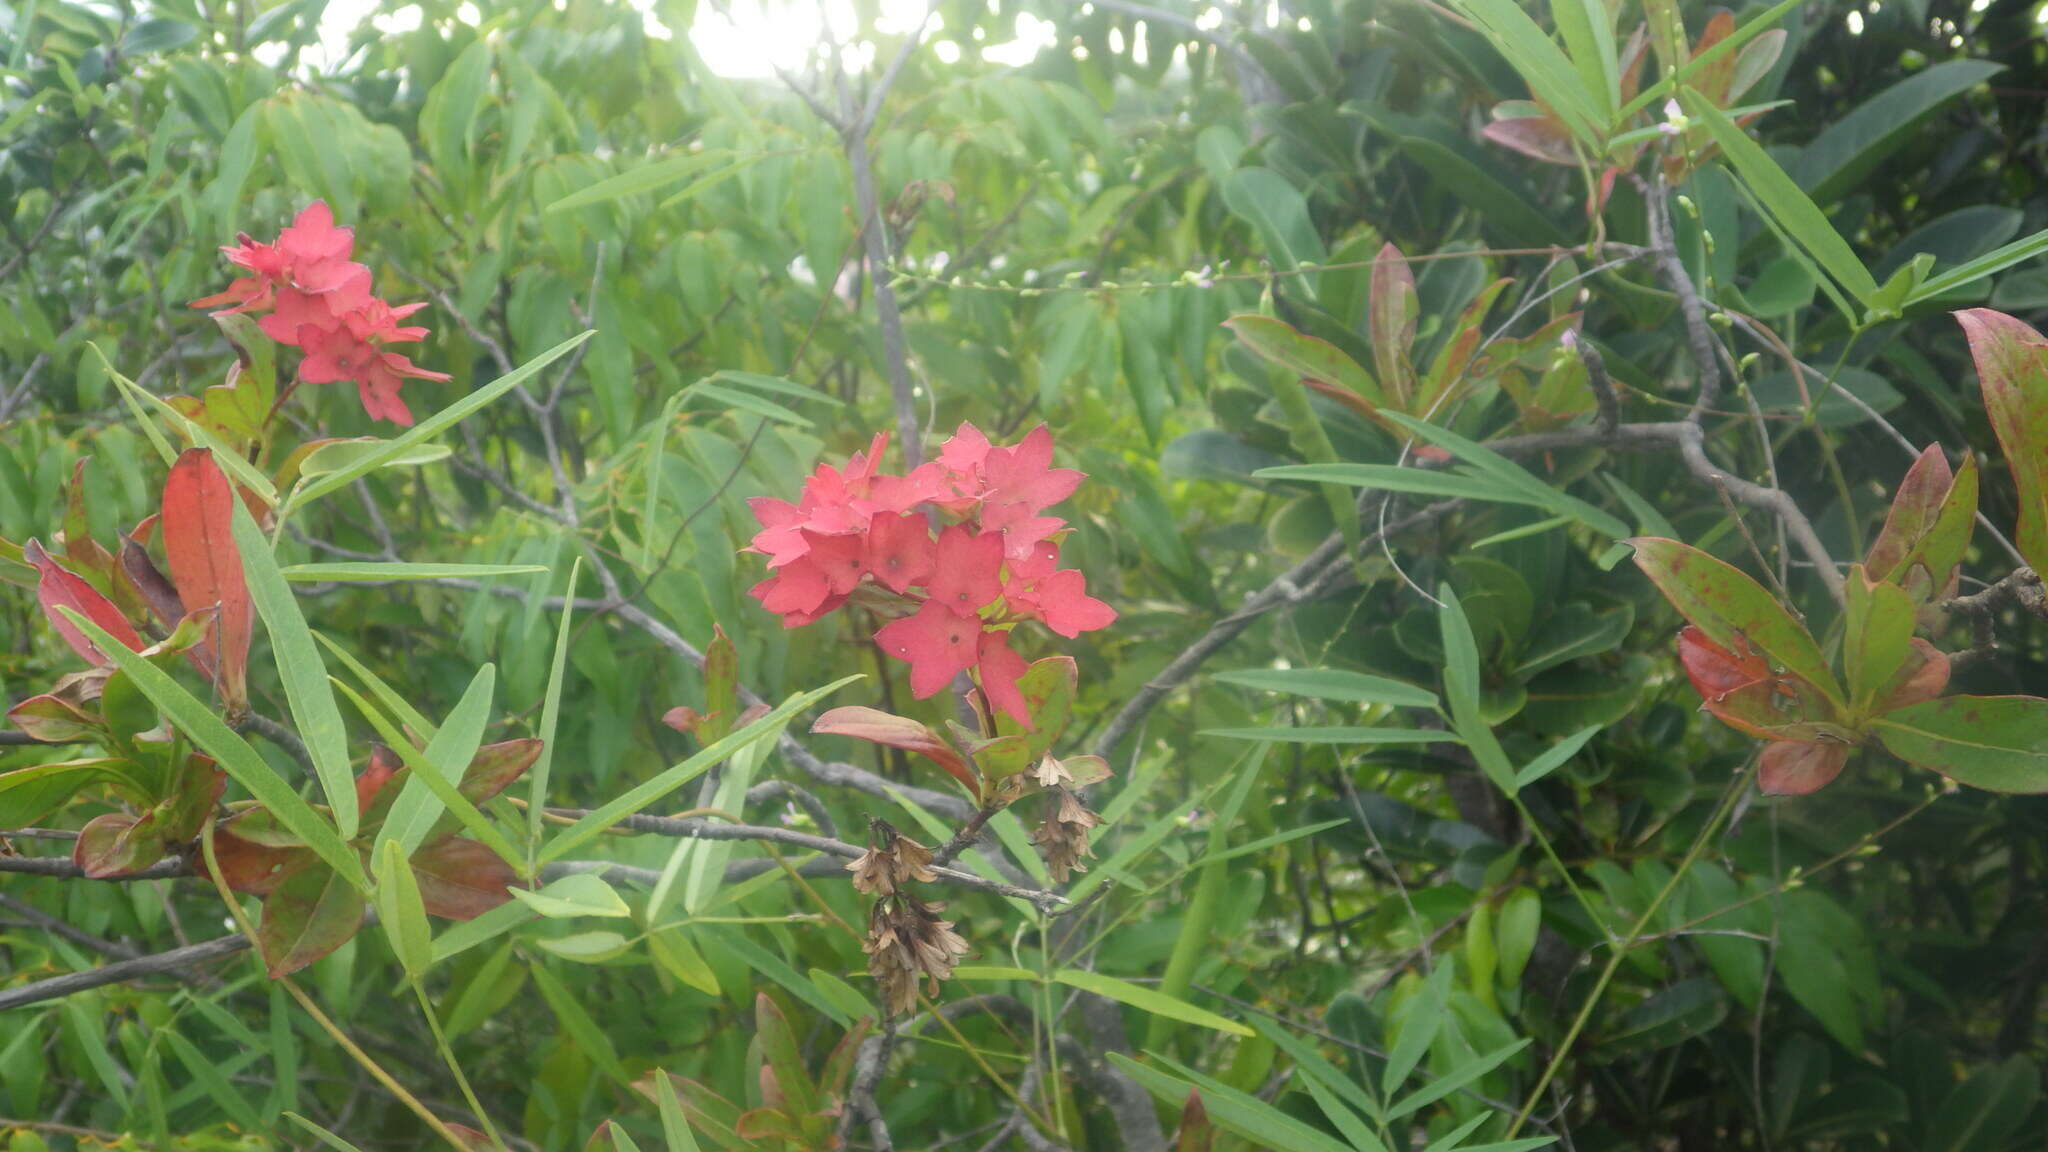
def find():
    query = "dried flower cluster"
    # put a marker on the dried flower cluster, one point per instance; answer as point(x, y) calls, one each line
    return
point(906, 940)
point(318, 300)
point(1062, 837)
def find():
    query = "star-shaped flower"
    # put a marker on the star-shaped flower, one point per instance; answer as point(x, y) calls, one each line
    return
point(899, 550)
point(967, 570)
point(937, 644)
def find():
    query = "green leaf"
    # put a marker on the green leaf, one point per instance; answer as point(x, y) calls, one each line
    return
point(413, 814)
point(576, 1021)
point(1970, 271)
point(1847, 151)
point(1149, 999)
point(1275, 209)
point(550, 718)
point(748, 402)
point(1333, 684)
point(1555, 756)
point(648, 791)
point(381, 572)
point(434, 425)
point(1733, 609)
point(336, 455)
point(1304, 355)
point(299, 667)
point(642, 178)
point(1997, 743)
point(1497, 467)
point(1462, 691)
point(1453, 1080)
point(1231, 1110)
point(1285, 734)
point(1750, 29)
point(401, 911)
point(1397, 478)
point(1985, 1112)
point(577, 894)
point(230, 751)
point(325, 1137)
point(1794, 214)
point(1543, 66)
point(231, 461)
point(1587, 27)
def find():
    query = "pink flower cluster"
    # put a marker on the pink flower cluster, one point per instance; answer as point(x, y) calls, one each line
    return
point(319, 301)
point(959, 549)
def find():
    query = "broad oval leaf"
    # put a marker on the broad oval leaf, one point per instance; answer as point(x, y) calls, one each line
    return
point(1731, 608)
point(1997, 743)
point(312, 912)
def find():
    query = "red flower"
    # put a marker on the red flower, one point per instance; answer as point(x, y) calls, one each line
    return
point(1023, 473)
point(1060, 599)
point(938, 645)
point(842, 559)
point(335, 356)
point(967, 570)
point(899, 550)
point(378, 321)
point(312, 236)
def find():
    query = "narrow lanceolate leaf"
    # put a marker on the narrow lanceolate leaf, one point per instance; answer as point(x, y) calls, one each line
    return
point(1149, 999)
point(1333, 684)
point(1462, 691)
point(1732, 609)
point(313, 912)
point(401, 911)
point(1305, 356)
point(1997, 743)
point(1393, 310)
point(300, 668)
point(206, 565)
point(2012, 371)
point(1794, 213)
point(197, 721)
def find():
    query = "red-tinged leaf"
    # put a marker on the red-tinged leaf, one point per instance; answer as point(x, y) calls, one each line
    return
point(1048, 688)
point(1305, 356)
point(251, 868)
point(712, 1115)
point(686, 720)
point(151, 586)
point(496, 766)
point(115, 844)
point(259, 826)
point(721, 684)
point(310, 913)
point(1543, 138)
point(767, 1124)
point(54, 720)
point(878, 727)
point(1346, 397)
point(1713, 78)
point(59, 587)
point(1733, 610)
point(1716, 672)
point(1195, 1133)
point(460, 879)
point(1392, 320)
point(1997, 743)
point(473, 1139)
point(206, 565)
point(601, 1137)
point(1914, 508)
point(2012, 372)
point(1793, 768)
point(1448, 371)
point(382, 767)
point(1923, 677)
point(784, 1065)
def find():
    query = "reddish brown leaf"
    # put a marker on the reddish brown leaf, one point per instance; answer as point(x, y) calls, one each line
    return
point(1195, 1134)
point(79, 547)
point(1542, 138)
point(310, 913)
point(382, 766)
point(116, 844)
point(473, 1139)
point(1716, 672)
point(684, 719)
point(1923, 677)
point(1795, 768)
point(496, 766)
point(59, 587)
point(1915, 507)
point(206, 566)
point(878, 727)
point(151, 586)
point(252, 868)
point(53, 719)
point(460, 879)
